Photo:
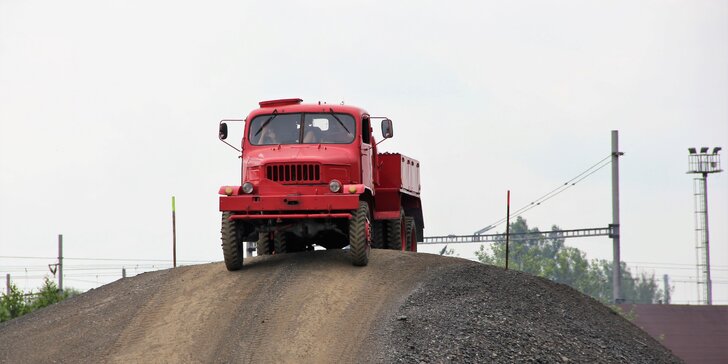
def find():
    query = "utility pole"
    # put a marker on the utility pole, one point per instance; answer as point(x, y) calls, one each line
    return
point(7, 283)
point(666, 288)
point(60, 263)
point(616, 260)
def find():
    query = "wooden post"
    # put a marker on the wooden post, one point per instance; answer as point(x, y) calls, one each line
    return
point(174, 236)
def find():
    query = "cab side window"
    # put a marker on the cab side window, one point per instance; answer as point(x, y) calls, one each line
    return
point(366, 132)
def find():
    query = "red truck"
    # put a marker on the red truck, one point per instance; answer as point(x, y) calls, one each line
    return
point(311, 175)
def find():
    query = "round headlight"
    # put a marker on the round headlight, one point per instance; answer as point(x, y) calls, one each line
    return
point(247, 188)
point(334, 186)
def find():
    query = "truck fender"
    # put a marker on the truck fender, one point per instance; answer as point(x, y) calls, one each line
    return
point(353, 189)
point(229, 190)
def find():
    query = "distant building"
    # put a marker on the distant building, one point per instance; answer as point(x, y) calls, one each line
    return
point(696, 334)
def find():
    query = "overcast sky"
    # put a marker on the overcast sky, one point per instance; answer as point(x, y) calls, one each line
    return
point(109, 108)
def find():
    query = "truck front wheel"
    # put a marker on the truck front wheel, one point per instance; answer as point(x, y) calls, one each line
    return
point(360, 235)
point(232, 243)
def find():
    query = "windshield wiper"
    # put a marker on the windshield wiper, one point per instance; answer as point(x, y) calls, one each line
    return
point(337, 119)
point(265, 123)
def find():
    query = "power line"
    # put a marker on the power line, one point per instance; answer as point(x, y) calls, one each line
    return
point(87, 281)
point(661, 267)
point(164, 266)
point(90, 268)
point(105, 259)
point(560, 189)
point(680, 264)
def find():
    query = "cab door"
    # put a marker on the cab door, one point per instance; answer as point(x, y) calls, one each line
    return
point(366, 153)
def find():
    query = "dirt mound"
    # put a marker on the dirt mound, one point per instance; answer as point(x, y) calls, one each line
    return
point(477, 313)
point(317, 307)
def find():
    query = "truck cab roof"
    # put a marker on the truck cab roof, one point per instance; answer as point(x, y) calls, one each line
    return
point(294, 105)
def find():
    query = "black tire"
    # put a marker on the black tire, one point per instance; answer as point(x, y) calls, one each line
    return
point(232, 243)
point(280, 242)
point(411, 228)
point(360, 235)
point(265, 244)
point(378, 237)
point(396, 233)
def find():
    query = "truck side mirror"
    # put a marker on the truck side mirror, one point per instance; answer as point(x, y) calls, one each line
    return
point(223, 132)
point(387, 129)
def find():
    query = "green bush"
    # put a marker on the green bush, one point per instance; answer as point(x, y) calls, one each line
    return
point(16, 303)
point(13, 304)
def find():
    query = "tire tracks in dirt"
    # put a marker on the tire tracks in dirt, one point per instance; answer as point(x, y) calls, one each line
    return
point(317, 310)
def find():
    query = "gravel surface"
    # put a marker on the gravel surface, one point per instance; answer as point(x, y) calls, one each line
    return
point(473, 313)
point(315, 307)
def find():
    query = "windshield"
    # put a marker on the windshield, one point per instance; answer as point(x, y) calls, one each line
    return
point(302, 129)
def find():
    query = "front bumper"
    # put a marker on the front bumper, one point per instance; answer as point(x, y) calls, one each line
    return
point(295, 206)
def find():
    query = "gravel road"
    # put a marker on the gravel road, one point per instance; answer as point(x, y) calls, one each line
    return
point(315, 307)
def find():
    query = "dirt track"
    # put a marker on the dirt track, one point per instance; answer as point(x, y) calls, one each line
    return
point(310, 307)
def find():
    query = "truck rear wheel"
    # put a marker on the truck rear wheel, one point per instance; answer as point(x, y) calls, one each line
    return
point(396, 234)
point(280, 242)
point(411, 237)
point(265, 244)
point(232, 243)
point(360, 235)
point(378, 237)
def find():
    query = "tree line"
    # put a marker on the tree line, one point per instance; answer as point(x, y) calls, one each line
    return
point(548, 257)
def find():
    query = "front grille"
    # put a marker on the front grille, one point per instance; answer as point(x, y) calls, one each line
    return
point(293, 173)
